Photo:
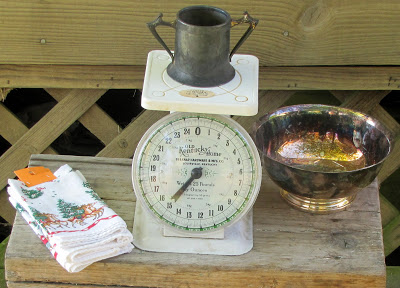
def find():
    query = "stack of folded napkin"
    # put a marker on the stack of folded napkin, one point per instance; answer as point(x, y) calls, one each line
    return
point(71, 219)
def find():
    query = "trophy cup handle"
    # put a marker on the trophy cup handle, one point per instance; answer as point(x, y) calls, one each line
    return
point(246, 18)
point(152, 26)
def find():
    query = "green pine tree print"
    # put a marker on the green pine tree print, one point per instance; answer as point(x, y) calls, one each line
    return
point(87, 185)
point(32, 193)
point(91, 192)
point(69, 210)
point(39, 216)
point(19, 208)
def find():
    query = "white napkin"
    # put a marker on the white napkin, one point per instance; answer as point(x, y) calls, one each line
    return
point(71, 219)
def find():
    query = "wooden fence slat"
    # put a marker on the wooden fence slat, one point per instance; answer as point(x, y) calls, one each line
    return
point(290, 33)
point(328, 78)
point(73, 76)
point(41, 135)
point(12, 129)
point(124, 145)
point(267, 101)
point(3, 246)
point(386, 119)
point(95, 119)
point(364, 101)
point(131, 77)
point(388, 210)
point(12, 284)
point(392, 163)
point(2, 278)
point(7, 211)
point(392, 276)
point(391, 236)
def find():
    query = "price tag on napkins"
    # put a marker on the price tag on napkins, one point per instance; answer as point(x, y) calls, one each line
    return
point(32, 176)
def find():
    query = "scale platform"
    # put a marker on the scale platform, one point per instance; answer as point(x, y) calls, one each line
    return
point(149, 235)
point(237, 97)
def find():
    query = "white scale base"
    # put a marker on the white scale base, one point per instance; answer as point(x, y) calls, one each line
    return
point(149, 235)
point(237, 97)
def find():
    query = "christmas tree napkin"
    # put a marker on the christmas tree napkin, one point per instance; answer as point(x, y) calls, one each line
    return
point(71, 219)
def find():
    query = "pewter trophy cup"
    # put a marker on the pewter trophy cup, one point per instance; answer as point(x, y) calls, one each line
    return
point(202, 57)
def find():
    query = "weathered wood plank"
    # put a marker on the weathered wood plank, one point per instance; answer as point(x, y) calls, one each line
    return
point(95, 119)
point(329, 78)
point(73, 76)
point(54, 285)
point(290, 33)
point(109, 190)
point(115, 187)
point(40, 136)
point(172, 276)
point(131, 77)
point(322, 251)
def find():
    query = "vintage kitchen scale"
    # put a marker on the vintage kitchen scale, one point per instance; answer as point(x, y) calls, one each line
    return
point(196, 172)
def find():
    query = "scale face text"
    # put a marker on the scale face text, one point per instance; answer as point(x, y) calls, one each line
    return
point(197, 173)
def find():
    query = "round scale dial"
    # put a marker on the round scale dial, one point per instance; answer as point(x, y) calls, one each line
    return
point(196, 172)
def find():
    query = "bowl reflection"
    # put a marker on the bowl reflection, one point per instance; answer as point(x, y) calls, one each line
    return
point(320, 155)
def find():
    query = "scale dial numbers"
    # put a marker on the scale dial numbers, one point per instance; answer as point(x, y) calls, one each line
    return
point(197, 172)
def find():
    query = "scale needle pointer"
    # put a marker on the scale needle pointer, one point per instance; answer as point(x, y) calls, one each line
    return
point(196, 174)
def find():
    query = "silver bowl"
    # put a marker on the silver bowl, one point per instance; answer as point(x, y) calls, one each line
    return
point(321, 156)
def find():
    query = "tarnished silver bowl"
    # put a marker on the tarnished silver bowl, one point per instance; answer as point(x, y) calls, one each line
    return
point(321, 156)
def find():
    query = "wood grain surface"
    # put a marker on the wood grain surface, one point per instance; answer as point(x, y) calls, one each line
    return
point(291, 248)
point(290, 33)
point(131, 77)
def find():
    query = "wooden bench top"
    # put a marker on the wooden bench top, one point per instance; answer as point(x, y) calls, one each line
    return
point(291, 248)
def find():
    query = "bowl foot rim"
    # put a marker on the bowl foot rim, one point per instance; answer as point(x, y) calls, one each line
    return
point(317, 206)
